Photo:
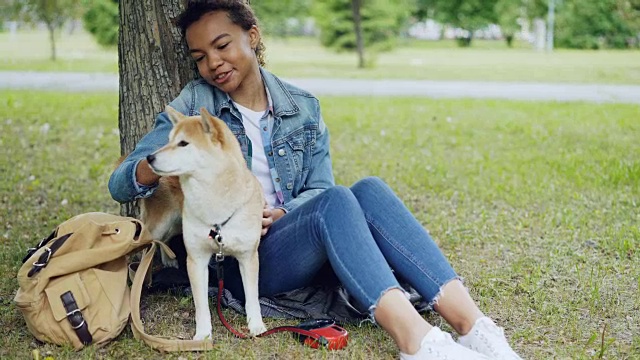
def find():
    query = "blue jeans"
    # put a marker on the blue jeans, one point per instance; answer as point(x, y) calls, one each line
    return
point(363, 232)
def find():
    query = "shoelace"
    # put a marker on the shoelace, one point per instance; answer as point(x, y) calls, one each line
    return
point(437, 353)
point(487, 343)
point(496, 330)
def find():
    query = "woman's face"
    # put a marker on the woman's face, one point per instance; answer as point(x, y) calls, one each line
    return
point(223, 51)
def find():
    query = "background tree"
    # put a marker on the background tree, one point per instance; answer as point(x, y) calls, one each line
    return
point(356, 12)
point(423, 9)
point(508, 12)
point(101, 20)
point(282, 18)
point(381, 23)
point(8, 12)
point(153, 67)
point(52, 13)
point(536, 8)
point(629, 11)
point(594, 24)
point(470, 15)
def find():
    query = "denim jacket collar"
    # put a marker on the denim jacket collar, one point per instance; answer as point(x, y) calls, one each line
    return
point(269, 101)
point(280, 98)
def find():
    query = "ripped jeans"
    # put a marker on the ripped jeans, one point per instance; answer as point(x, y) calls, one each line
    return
point(363, 232)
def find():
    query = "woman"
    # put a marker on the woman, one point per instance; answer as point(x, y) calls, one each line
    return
point(363, 231)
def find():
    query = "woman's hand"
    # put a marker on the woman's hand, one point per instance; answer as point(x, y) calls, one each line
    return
point(269, 216)
point(144, 174)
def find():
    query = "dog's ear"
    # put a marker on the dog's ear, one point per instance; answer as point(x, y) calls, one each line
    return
point(173, 114)
point(207, 121)
point(216, 126)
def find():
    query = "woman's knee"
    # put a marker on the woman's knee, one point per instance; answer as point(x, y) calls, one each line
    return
point(335, 206)
point(337, 201)
point(370, 184)
point(338, 197)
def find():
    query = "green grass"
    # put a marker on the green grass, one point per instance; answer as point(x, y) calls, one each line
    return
point(485, 61)
point(31, 51)
point(416, 60)
point(535, 204)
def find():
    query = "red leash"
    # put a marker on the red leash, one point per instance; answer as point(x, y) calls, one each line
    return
point(318, 338)
point(335, 337)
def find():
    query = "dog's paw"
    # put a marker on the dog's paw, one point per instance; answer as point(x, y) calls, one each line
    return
point(203, 336)
point(256, 327)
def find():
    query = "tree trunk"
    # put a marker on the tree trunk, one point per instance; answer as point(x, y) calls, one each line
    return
point(509, 39)
point(52, 40)
point(465, 41)
point(154, 66)
point(356, 5)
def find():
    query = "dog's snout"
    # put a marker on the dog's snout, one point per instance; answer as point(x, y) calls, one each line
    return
point(150, 158)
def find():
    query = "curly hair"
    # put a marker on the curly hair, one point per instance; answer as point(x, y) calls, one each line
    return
point(239, 11)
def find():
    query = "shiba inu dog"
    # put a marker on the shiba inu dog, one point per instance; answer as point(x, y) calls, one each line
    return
point(206, 185)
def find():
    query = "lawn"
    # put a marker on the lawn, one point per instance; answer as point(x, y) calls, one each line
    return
point(535, 204)
point(304, 57)
point(31, 51)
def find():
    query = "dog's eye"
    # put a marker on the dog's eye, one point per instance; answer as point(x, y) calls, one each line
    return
point(183, 143)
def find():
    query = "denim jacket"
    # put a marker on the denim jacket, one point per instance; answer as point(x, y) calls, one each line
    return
point(299, 140)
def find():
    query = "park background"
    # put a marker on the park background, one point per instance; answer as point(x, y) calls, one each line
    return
point(534, 202)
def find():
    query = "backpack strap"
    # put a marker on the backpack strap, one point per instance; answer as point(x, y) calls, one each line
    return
point(74, 315)
point(46, 255)
point(43, 242)
point(158, 343)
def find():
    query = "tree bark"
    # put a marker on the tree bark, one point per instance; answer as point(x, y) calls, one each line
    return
point(356, 6)
point(52, 40)
point(154, 66)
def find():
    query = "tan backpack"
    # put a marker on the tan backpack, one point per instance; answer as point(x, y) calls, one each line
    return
point(73, 284)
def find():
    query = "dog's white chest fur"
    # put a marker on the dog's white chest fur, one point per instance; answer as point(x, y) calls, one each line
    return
point(237, 226)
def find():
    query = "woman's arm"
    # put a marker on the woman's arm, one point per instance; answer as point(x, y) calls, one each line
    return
point(133, 178)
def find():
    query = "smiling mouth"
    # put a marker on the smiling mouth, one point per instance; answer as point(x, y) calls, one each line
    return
point(222, 77)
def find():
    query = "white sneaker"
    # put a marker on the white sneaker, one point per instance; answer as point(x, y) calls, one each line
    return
point(438, 345)
point(487, 338)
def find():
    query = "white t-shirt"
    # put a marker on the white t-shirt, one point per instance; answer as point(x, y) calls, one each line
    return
point(259, 163)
